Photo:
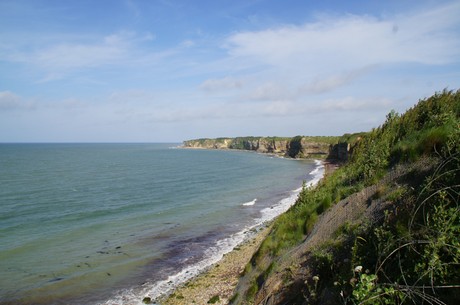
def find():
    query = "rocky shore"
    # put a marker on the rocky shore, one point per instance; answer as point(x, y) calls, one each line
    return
point(216, 285)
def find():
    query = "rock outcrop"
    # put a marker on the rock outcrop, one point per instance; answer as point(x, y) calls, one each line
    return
point(296, 147)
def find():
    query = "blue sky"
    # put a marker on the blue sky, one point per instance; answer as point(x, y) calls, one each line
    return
point(170, 70)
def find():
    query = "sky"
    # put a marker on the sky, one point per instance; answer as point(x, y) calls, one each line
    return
point(172, 70)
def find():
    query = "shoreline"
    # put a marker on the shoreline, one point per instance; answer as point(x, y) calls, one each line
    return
point(270, 154)
point(159, 292)
point(219, 280)
point(216, 284)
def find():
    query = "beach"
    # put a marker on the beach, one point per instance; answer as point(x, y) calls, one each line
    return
point(219, 281)
point(216, 284)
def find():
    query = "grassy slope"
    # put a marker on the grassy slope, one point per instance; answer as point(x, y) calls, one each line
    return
point(401, 243)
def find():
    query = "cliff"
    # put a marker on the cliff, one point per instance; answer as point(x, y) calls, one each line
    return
point(296, 147)
point(381, 229)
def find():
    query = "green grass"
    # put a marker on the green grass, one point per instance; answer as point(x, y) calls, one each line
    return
point(430, 129)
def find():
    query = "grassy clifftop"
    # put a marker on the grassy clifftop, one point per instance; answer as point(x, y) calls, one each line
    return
point(382, 229)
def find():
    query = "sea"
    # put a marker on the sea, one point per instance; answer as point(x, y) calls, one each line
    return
point(114, 223)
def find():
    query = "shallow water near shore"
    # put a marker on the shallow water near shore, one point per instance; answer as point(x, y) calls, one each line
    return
point(112, 223)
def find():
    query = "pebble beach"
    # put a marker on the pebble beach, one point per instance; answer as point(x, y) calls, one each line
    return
point(218, 282)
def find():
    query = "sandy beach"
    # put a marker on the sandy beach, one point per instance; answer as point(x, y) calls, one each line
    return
point(216, 285)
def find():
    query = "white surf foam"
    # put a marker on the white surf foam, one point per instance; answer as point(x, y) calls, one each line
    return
point(284, 205)
point(250, 203)
point(158, 289)
point(215, 253)
point(317, 173)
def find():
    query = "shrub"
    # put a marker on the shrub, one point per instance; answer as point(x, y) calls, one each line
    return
point(416, 245)
point(309, 223)
point(214, 299)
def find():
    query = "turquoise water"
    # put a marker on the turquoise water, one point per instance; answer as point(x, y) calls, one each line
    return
point(111, 223)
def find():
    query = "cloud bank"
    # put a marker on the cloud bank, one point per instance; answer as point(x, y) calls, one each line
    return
point(331, 42)
point(289, 77)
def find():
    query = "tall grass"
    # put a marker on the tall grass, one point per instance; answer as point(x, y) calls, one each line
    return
point(429, 129)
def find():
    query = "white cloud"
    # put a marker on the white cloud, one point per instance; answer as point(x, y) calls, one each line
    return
point(331, 43)
point(269, 91)
point(338, 63)
point(9, 100)
point(327, 84)
point(68, 56)
point(353, 104)
point(279, 108)
point(187, 43)
point(354, 68)
point(350, 104)
point(56, 60)
point(218, 84)
point(132, 96)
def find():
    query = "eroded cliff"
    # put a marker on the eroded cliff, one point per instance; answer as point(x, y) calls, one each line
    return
point(296, 147)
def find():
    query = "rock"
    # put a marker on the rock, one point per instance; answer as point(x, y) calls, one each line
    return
point(297, 147)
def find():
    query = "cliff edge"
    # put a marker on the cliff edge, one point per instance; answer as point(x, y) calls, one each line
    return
point(295, 147)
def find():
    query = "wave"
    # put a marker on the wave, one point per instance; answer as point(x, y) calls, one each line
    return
point(215, 252)
point(250, 203)
point(270, 213)
point(317, 174)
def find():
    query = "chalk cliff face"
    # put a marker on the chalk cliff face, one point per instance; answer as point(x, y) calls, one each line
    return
point(262, 145)
point(297, 147)
point(221, 143)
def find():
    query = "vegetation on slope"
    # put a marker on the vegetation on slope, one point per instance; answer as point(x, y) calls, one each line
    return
point(409, 255)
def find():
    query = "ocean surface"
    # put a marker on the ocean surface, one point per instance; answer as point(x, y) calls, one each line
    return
point(113, 223)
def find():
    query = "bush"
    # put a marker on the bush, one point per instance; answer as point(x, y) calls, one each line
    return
point(214, 299)
point(417, 244)
point(310, 223)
